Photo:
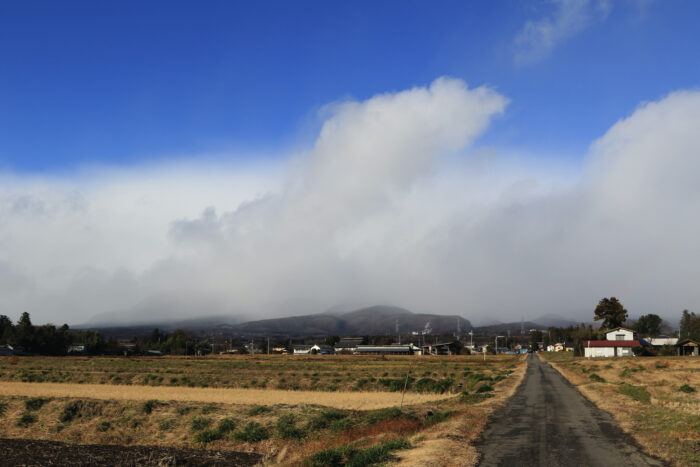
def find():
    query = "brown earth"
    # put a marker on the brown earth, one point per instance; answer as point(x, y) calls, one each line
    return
point(24, 452)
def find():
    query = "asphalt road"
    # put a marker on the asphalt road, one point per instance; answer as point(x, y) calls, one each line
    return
point(549, 423)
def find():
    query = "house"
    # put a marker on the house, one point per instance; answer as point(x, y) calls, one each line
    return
point(302, 349)
point(306, 349)
point(393, 349)
point(557, 347)
point(618, 343)
point(688, 347)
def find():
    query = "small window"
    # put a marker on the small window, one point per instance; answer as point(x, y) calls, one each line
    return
point(620, 337)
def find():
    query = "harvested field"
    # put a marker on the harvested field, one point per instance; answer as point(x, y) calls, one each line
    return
point(654, 399)
point(339, 400)
point(325, 373)
point(32, 452)
point(284, 427)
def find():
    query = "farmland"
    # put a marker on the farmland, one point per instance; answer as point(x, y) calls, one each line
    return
point(308, 373)
point(287, 409)
point(655, 399)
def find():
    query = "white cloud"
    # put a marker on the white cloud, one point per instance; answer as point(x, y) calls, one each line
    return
point(389, 206)
point(539, 38)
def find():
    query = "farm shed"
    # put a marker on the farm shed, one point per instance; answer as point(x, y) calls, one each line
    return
point(345, 347)
point(688, 347)
point(409, 349)
point(443, 348)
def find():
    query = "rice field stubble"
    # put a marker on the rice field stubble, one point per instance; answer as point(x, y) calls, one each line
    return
point(442, 391)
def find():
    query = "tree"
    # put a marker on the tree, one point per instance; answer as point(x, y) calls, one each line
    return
point(648, 325)
point(690, 325)
point(611, 311)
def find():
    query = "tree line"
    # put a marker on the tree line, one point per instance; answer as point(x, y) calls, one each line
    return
point(48, 339)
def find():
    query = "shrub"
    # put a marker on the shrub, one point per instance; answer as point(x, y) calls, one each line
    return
point(377, 454)
point(686, 388)
point(34, 403)
point(207, 409)
point(225, 425)
point(103, 426)
point(149, 405)
point(437, 417)
point(166, 424)
point(79, 409)
point(339, 425)
point(596, 378)
point(384, 414)
point(207, 436)
point(349, 455)
point(26, 419)
point(438, 386)
point(200, 423)
point(287, 429)
point(252, 432)
point(324, 419)
point(638, 393)
point(184, 410)
point(258, 410)
point(3, 408)
point(484, 388)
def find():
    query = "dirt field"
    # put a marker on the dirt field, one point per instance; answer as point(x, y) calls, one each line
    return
point(654, 399)
point(446, 396)
point(32, 452)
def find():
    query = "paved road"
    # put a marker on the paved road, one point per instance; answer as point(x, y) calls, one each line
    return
point(549, 423)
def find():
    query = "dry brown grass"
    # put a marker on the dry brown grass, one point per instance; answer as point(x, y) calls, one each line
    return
point(668, 425)
point(121, 405)
point(340, 400)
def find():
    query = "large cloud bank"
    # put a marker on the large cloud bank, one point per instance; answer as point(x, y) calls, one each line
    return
point(392, 204)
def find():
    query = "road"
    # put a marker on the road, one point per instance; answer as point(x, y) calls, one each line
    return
point(549, 423)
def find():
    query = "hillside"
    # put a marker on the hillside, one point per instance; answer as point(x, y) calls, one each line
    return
point(375, 320)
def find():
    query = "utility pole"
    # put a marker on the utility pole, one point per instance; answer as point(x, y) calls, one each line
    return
point(268, 346)
point(471, 339)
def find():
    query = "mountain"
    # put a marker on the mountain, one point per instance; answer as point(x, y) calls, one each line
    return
point(555, 321)
point(375, 320)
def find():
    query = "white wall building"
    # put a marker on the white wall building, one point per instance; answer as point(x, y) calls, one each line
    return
point(619, 343)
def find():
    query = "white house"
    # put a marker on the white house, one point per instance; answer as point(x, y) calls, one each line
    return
point(619, 343)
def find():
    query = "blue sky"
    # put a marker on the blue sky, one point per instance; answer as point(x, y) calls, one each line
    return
point(493, 159)
point(126, 82)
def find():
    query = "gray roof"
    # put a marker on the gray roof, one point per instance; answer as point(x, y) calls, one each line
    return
point(383, 348)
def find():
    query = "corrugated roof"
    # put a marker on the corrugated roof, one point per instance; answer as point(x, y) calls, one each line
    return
point(634, 343)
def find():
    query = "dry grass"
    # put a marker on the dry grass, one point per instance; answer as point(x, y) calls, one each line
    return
point(643, 395)
point(340, 400)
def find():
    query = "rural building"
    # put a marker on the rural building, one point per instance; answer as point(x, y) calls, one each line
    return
point(688, 347)
point(443, 348)
point(302, 349)
point(345, 347)
point(77, 349)
point(305, 349)
point(558, 347)
point(393, 349)
point(619, 343)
